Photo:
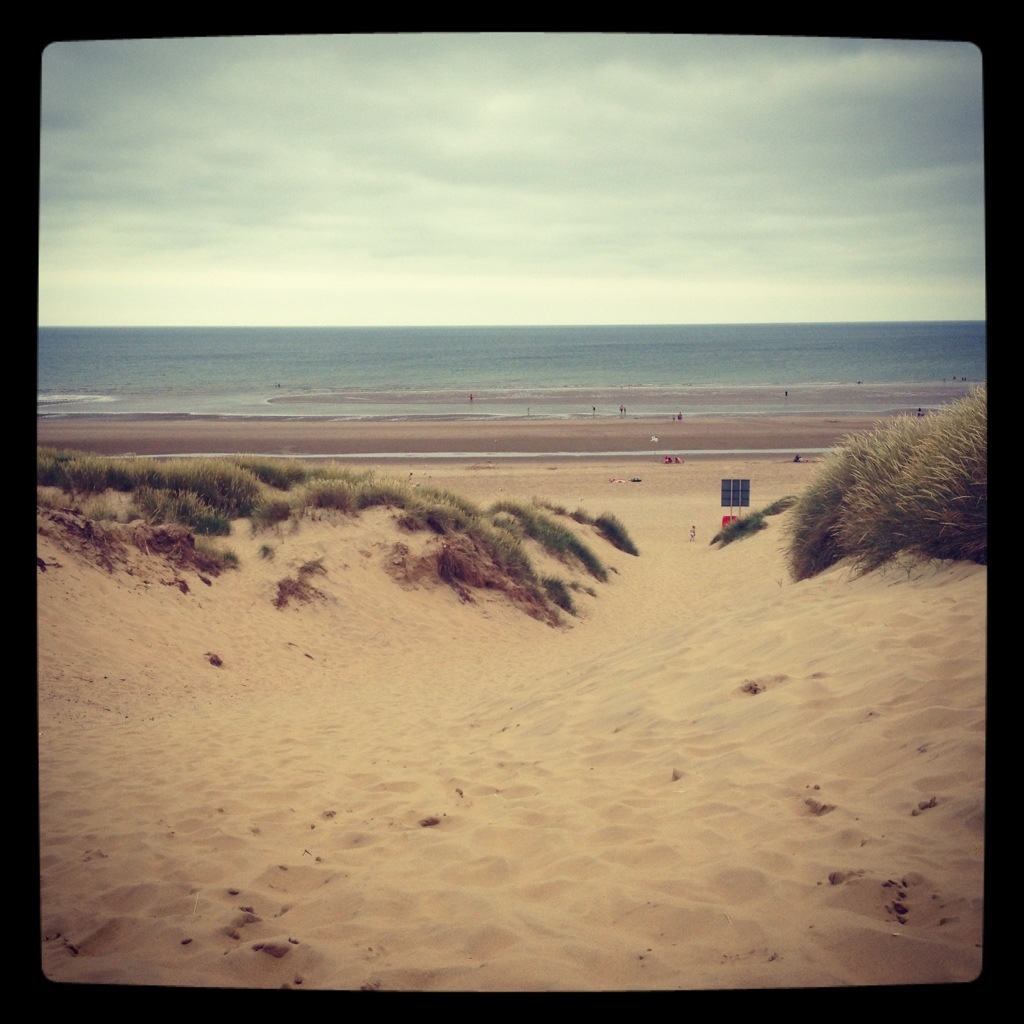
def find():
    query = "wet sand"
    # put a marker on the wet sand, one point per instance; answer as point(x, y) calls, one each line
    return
point(714, 435)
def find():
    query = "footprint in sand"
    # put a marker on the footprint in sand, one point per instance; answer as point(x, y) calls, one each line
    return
point(897, 907)
point(838, 877)
point(275, 949)
point(759, 685)
point(817, 808)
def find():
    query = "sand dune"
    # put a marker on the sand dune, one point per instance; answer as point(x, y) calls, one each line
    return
point(711, 778)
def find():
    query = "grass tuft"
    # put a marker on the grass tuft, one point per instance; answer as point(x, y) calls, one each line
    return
point(744, 526)
point(441, 512)
point(780, 506)
point(337, 494)
point(748, 525)
point(615, 533)
point(283, 474)
point(184, 507)
point(558, 594)
point(555, 538)
point(222, 558)
point(269, 512)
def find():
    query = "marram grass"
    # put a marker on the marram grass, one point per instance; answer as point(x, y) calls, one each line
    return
point(556, 539)
point(206, 494)
point(754, 522)
point(918, 485)
point(615, 533)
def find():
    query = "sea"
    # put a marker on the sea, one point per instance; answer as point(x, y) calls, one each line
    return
point(554, 372)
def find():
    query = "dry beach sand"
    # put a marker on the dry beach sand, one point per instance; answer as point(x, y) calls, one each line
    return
point(711, 778)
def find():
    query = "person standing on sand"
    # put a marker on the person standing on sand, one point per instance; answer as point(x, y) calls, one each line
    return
point(693, 532)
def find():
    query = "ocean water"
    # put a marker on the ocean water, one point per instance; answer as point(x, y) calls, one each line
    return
point(508, 372)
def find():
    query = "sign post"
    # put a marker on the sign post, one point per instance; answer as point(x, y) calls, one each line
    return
point(735, 495)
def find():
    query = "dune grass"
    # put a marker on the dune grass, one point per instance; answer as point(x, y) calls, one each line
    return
point(220, 484)
point(558, 593)
point(271, 511)
point(337, 494)
point(780, 506)
point(918, 485)
point(556, 539)
point(439, 511)
point(754, 522)
point(224, 558)
point(608, 526)
point(486, 546)
point(743, 526)
point(79, 473)
point(184, 507)
point(615, 533)
point(284, 474)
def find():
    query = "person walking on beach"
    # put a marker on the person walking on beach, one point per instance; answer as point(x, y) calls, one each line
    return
point(693, 532)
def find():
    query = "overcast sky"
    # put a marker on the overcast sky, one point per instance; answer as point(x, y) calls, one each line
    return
point(503, 179)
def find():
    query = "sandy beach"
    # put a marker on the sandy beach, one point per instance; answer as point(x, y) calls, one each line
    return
point(160, 435)
point(709, 778)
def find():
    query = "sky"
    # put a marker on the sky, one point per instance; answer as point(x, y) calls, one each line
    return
point(447, 179)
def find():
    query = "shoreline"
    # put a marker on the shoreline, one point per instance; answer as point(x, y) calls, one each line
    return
point(703, 436)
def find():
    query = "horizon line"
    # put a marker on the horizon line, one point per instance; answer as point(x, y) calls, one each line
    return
point(505, 326)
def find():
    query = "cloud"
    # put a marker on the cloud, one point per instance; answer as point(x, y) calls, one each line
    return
point(452, 170)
